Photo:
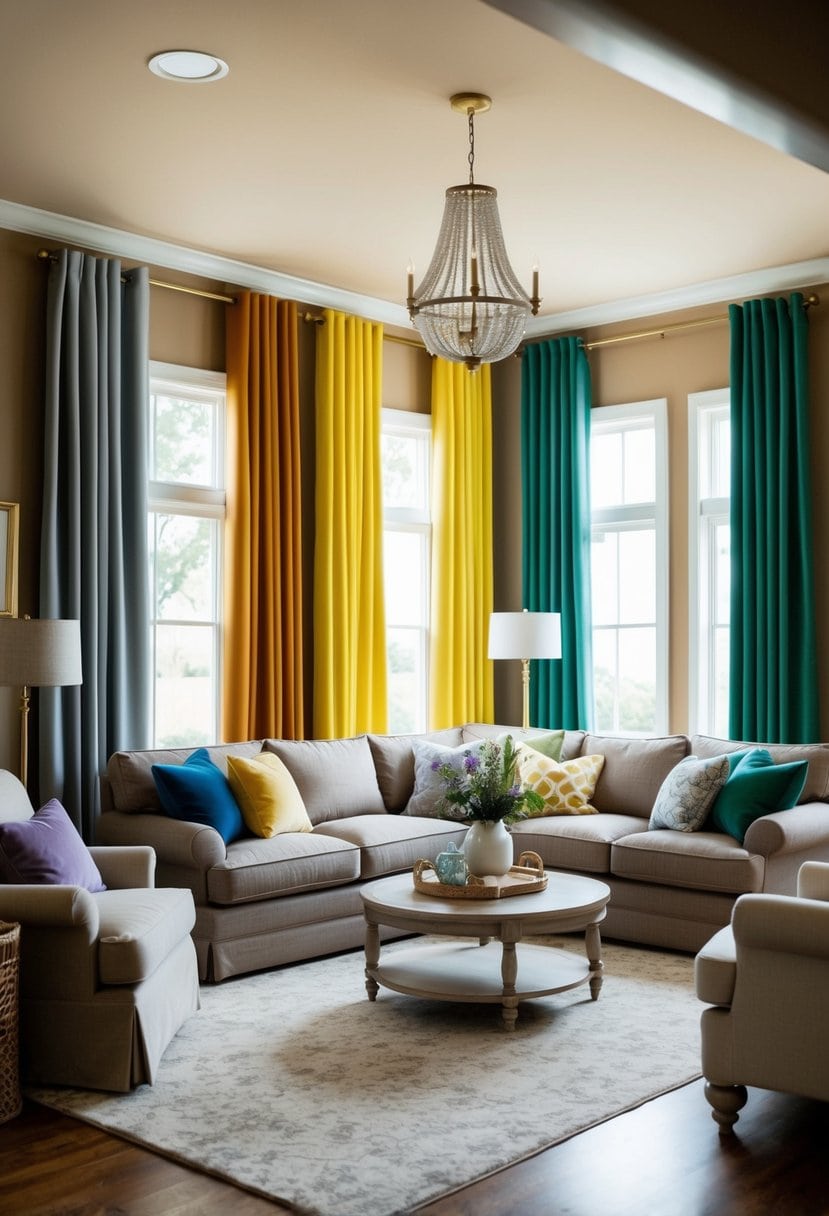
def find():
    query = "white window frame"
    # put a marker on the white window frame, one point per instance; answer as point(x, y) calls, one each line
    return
point(408, 424)
point(622, 518)
point(199, 501)
point(704, 513)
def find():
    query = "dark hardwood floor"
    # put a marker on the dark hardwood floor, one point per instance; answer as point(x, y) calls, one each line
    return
point(663, 1159)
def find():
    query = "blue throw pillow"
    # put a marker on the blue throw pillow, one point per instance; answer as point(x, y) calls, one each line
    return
point(199, 792)
point(756, 787)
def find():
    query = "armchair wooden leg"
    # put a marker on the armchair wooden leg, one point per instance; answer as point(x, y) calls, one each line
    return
point(726, 1101)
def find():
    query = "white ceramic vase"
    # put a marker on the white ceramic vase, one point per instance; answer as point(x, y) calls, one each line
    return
point(488, 849)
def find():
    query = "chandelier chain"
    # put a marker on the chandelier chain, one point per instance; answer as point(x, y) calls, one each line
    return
point(471, 156)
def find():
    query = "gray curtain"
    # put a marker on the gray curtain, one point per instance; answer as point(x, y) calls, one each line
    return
point(94, 549)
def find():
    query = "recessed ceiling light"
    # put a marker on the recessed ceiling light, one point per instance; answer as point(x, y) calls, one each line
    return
point(191, 67)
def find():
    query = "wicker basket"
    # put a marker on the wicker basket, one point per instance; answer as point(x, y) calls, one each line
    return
point(10, 1097)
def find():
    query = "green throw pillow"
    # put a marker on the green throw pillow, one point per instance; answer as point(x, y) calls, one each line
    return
point(549, 743)
point(756, 787)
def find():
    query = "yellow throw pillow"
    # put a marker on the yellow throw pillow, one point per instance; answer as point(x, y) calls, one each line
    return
point(268, 796)
point(566, 787)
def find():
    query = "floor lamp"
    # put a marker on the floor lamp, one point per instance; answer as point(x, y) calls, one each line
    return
point(34, 654)
point(525, 635)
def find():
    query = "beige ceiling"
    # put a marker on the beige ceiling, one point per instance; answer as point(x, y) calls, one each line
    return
point(325, 152)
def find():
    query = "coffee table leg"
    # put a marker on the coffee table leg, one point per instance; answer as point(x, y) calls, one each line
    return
point(509, 974)
point(593, 946)
point(372, 958)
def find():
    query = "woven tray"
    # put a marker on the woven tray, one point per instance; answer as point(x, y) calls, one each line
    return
point(527, 876)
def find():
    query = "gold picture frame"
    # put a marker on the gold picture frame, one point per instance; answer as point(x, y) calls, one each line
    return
point(9, 540)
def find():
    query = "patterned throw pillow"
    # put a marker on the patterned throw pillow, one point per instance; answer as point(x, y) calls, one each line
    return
point(429, 786)
point(688, 792)
point(566, 788)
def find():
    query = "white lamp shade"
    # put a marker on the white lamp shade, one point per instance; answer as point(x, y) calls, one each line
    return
point(525, 635)
point(40, 653)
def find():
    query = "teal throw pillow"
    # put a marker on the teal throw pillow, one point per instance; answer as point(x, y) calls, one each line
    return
point(199, 792)
point(756, 787)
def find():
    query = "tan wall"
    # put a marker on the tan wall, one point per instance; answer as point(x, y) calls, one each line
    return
point(687, 362)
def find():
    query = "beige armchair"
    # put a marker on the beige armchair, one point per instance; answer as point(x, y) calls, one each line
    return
point(767, 977)
point(106, 979)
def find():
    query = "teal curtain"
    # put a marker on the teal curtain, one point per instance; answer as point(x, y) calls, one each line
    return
point(773, 664)
point(94, 564)
point(555, 437)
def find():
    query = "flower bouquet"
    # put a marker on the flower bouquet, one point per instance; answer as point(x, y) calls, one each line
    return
point(485, 788)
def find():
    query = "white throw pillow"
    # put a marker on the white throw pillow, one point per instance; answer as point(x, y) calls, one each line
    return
point(429, 786)
point(688, 792)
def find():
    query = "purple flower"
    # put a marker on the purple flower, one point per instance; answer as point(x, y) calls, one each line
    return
point(514, 791)
point(471, 764)
point(435, 765)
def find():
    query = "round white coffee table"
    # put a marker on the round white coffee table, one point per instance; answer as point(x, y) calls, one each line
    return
point(483, 971)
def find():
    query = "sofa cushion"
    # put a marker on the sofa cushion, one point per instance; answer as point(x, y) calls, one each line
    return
point(393, 757)
point(429, 786)
point(715, 969)
point(816, 788)
point(634, 770)
point(573, 842)
point(336, 777)
point(199, 792)
point(701, 861)
point(687, 794)
point(394, 843)
point(138, 929)
point(47, 849)
point(283, 865)
point(130, 774)
point(755, 787)
point(267, 794)
point(566, 788)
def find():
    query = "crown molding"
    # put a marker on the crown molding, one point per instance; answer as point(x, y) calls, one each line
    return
point(736, 287)
point(118, 243)
point(115, 242)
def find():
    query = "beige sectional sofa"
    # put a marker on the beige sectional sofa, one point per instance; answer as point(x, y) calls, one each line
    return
point(263, 902)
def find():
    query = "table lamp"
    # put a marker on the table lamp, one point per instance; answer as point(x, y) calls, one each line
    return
point(34, 654)
point(525, 635)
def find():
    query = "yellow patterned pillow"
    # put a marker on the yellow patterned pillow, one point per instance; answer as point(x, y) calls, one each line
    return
point(566, 787)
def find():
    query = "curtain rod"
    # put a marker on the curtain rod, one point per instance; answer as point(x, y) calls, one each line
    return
point(44, 255)
point(719, 319)
point(313, 318)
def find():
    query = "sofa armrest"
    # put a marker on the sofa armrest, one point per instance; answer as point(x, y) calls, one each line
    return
point(50, 907)
point(175, 841)
point(813, 880)
point(781, 924)
point(803, 829)
point(125, 866)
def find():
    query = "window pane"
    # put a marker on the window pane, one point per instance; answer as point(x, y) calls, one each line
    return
point(640, 465)
point(404, 574)
point(184, 447)
point(722, 540)
point(605, 678)
point(184, 686)
point(637, 680)
point(604, 573)
point(605, 469)
point(184, 551)
point(637, 577)
point(721, 682)
point(404, 480)
point(405, 680)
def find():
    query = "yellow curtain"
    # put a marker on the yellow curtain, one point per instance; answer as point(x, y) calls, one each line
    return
point(262, 684)
point(349, 613)
point(460, 674)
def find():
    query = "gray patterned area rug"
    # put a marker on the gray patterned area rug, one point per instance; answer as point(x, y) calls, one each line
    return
point(293, 1085)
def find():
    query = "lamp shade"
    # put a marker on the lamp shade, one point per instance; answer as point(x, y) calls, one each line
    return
point(39, 653)
point(525, 635)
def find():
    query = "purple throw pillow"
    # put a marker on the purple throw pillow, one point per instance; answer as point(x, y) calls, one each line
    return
point(47, 849)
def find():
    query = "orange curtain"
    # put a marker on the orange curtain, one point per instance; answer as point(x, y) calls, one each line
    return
point(262, 683)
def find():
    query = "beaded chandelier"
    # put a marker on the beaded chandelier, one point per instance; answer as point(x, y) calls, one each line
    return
point(470, 307)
